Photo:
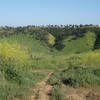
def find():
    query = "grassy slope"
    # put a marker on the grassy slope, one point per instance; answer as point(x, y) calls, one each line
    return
point(32, 44)
point(45, 58)
point(79, 45)
point(41, 55)
point(15, 79)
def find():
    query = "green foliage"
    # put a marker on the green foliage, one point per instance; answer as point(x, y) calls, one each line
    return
point(60, 33)
point(78, 76)
point(22, 48)
point(92, 59)
point(83, 71)
point(89, 59)
point(50, 39)
point(16, 79)
point(56, 93)
point(28, 41)
point(79, 45)
point(55, 78)
point(16, 83)
point(13, 89)
point(91, 38)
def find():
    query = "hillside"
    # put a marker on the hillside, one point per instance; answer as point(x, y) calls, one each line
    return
point(31, 43)
point(59, 58)
point(79, 45)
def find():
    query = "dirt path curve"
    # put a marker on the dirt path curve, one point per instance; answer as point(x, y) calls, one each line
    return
point(42, 92)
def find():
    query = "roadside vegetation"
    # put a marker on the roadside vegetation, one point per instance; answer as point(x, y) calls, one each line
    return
point(71, 52)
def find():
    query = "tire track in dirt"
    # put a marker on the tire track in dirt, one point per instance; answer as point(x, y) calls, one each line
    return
point(42, 92)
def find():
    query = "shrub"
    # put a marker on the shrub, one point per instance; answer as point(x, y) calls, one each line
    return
point(78, 76)
point(13, 55)
point(50, 39)
point(56, 93)
point(91, 59)
point(16, 79)
point(55, 78)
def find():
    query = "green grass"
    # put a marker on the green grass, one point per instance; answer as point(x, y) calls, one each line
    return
point(81, 77)
point(10, 89)
point(76, 77)
point(82, 70)
point(56, 93)
point(55, 78)
point(89, 59)
point(20, 54)
point(16, 77)
point(79, 45)
point(30, 42)
point(41, 56)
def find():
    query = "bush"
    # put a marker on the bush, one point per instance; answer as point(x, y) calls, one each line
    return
point(91, 59)
point(16, 79)
point(13, 55)
point(56, 93)
point(50, 39)
point(55, 78)
point(78, 76)
point(18, 83)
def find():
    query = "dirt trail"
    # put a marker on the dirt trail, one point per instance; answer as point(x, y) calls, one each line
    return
point(42, 92)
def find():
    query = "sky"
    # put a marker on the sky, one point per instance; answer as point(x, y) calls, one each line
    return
point(45, 12)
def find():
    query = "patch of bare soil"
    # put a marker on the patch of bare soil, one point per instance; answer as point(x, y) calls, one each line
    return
point(92, 96)
point(81, 93)
point(42, 92)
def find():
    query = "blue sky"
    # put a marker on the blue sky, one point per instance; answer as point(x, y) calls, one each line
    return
point(44, 12)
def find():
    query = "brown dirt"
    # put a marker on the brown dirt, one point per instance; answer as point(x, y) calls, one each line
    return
point(42, 92)
point(92, 96)
point(81, 93)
